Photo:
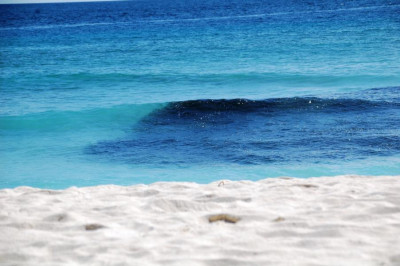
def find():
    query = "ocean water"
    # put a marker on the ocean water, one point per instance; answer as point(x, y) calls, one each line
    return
point(170, 90)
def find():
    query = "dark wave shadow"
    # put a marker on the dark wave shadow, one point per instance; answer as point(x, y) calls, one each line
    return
point(258, 132)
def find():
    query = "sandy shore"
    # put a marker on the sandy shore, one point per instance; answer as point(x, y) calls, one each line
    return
point(344, 220)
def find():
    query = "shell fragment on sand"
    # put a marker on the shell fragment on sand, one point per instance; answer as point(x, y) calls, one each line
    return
point(223, 217)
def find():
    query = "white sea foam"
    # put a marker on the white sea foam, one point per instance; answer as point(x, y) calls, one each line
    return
point(49, 1)
point(343, 220)
point(274, 14)
point(41, 27)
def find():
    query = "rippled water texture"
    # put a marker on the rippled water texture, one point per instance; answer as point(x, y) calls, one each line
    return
point(143, 91)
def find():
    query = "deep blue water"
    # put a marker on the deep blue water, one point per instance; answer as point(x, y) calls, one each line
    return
point(143, 91)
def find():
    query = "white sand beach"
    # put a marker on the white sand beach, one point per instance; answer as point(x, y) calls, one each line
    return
point(343, 220)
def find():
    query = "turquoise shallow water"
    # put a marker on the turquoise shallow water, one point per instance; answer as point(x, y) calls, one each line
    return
point(130, 92)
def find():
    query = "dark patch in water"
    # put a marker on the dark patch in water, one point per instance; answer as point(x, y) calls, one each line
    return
point(250, 132)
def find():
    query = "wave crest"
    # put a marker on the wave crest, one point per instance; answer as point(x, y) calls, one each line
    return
point(259, 132)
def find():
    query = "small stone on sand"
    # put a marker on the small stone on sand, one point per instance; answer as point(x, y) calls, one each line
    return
point(91, 227)
point(279, 219)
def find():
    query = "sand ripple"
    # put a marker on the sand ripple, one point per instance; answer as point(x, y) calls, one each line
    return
point(345, 220)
